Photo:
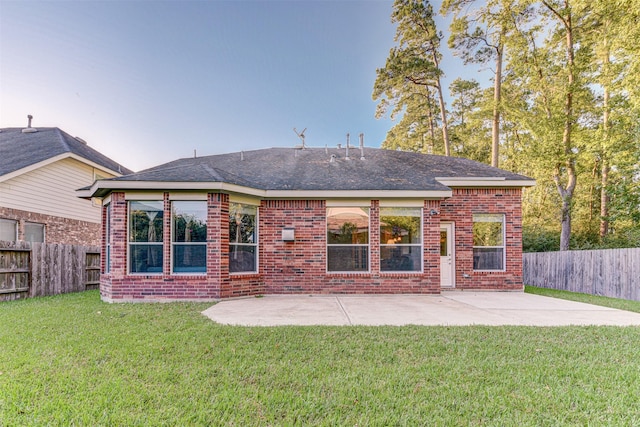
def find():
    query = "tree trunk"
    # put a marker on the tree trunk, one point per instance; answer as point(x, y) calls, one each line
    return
point(604, 200)
point(604, 191)
point(566, 191)
point(443, 109)
point(495, 126)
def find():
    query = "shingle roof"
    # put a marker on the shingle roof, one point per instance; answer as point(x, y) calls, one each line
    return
point(19, 150)
point(314, 169)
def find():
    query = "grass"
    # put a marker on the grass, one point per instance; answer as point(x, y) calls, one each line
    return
point(73, 360)
point(620, 304)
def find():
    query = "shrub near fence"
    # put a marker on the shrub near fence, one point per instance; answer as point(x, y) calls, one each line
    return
point(39, 269)
point(613, 273)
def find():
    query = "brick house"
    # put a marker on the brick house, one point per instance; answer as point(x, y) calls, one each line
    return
point(310, 221)
point(40, 171)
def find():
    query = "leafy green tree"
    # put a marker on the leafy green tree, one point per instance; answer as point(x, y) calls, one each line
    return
point(479, 32)
point(469, 127)
point(412, 72)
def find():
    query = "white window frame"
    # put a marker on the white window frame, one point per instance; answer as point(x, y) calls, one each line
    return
point(256, 239)
point(354, 245)
point(14, 222)
point(419, 246)
point(503, 246)
point(39, 224)
point(193, 244)
point(131, 244)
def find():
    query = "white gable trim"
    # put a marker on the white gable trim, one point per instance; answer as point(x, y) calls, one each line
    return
point(54, 159)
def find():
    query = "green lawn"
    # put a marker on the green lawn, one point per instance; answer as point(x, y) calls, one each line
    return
point(73, 360)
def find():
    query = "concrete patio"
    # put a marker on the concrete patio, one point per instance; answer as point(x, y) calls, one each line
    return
point(450, 308)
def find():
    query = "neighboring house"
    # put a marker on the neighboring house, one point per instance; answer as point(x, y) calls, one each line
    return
point(310, 221)
point(40, 171)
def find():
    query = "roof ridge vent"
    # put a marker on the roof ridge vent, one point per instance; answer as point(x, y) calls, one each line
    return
point(29, 129)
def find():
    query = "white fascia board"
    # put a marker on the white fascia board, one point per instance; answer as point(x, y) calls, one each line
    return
point(485, 182)
point(265, 194)
point(168, 186)
point(357, 194)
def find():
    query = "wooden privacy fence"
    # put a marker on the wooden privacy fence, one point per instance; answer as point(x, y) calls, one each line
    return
point(39, 269)
point(609, 272)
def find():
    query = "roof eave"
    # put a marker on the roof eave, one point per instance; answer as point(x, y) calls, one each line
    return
point(102, 188)
point(485, 182)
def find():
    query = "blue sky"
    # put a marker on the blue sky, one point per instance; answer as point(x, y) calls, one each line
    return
point(147, 82)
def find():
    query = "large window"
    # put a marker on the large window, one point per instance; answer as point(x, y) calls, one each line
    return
point(400, 239)
point(488, 242)
point(243, 242)
point(348, 239)
point(8, 230)
point(145, 236)
point(189, 236)
point(34, 232)
point(107, 232)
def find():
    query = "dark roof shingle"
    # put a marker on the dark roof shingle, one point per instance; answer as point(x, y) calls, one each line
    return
point(322, 169)
point(19, 150)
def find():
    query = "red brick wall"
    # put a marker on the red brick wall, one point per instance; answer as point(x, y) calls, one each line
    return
point(56, 229)
point(460, 209)
point(299, 267)
point(117, 285)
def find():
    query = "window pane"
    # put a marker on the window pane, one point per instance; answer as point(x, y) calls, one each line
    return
point(400, 258)
point(347, 258)
point(443, 244)
point(108, 238)
point(242, 258)
point(8, 229)
point(190, 258)
point(487, 230)
point(108, 224)
point(189, 221)
point(145, 258)
point(400, 225)
point(488, 258)
point(242, 223)
point(145, 221)
point(348, 225)
point(33, 232)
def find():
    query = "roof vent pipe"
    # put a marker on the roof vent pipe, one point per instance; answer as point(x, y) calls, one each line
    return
point(29, 129)
point(362, 146)
point(242, 156)
point(346, 157)
point(333, 158)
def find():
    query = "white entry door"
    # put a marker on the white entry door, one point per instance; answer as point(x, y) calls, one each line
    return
point(447, 261)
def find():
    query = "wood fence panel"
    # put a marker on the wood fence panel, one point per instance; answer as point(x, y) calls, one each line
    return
point(39, 269)
point(14, 270)
point(610, 272)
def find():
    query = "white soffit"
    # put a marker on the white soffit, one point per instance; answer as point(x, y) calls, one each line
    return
point(484, 182)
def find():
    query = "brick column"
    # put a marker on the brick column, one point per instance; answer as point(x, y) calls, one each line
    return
point(217, 242)
point(118, 235)
point(431, 243)
point(374, 236)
